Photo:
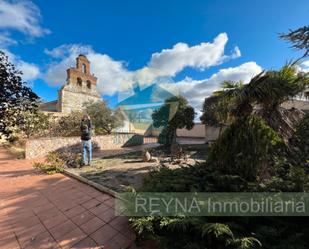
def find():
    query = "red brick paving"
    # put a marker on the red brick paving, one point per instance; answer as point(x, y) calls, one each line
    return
point(55, 211)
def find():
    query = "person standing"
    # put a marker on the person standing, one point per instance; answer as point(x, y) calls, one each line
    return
point(85, 128)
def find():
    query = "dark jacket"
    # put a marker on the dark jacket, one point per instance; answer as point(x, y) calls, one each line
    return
point(85, 130)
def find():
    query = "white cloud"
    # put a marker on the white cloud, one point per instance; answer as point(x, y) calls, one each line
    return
point(56, 72)
point(30, 71)
point(6, 40)
point(67, 50)
point(236, 53)
point(202, 56)
point(169, 62)
point(23, 16)
point(304, 66)
point(113, 76)
point(197, 90)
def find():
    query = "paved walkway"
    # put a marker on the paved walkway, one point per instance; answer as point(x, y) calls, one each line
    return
point(55, 211)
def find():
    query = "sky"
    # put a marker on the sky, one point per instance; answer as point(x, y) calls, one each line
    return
point(187, 46)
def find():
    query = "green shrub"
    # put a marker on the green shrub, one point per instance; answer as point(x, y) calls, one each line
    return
point(70, 158)
point(56, 161)
point(34, 123)
point(190, 233)
point(54, 164)
point(248, 148)
point(67, 126)
point(175, 114)
point(48, 169)
point(104, 118)
point(300, 140)
point(166, 136)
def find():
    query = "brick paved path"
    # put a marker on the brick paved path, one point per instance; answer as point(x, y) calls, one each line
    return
point(42, 211)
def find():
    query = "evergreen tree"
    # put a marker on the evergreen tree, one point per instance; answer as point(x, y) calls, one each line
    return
point(175, 114)
point(15, 97)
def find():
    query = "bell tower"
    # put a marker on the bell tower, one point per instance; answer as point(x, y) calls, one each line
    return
point(81, 75)
point(82, 64)
point(80, 87)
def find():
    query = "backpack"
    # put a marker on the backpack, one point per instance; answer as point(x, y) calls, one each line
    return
point(85, 129)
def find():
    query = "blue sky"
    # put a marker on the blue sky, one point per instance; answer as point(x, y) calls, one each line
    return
point(194, 44)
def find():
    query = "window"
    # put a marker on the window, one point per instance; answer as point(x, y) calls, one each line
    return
point(84, 68)
point(89, 84)
point(79, 82)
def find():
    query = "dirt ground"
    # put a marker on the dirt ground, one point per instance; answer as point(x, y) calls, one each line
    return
point(120, 172)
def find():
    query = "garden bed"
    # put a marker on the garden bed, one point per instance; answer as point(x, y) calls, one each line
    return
point(120, 172)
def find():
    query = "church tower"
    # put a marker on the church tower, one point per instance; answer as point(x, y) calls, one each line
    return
point(80, 87)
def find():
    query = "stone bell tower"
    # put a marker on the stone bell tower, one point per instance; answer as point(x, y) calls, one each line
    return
point(80, 87)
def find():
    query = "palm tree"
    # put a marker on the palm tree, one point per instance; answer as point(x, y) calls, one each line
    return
point(234, 96)
point(263, 96)
point(270, 89)
point(299, 39)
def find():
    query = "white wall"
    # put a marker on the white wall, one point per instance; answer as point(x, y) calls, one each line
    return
point(198, 131)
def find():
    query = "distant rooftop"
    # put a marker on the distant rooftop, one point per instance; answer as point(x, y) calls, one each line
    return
point(298, 104)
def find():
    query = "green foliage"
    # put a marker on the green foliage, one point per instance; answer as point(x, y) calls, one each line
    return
point(15, 97)
point(299, 39)
point(215, 111)
point(103, 118)
point(67, 126)
point(182, 224)
point(200, 178)
point(275, 87)
point(56, 161)
point(190, 232)
point(54, 164)
point(268, 90)
point(186, 232)
point(34, 123)
point(248, 148)
point(251, 156)
point(176, 180)
point(143, 225)
point(167, 136)
point(217, 230)
point(174, 114)
point(70, 157)
point(300, 140)
point(47, 168)
point(247, 243)
point(118, 118)
point(299, 178)
point(265, 155)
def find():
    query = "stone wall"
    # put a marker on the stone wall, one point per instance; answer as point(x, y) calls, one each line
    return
point(72, 99)
point(42, 146)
